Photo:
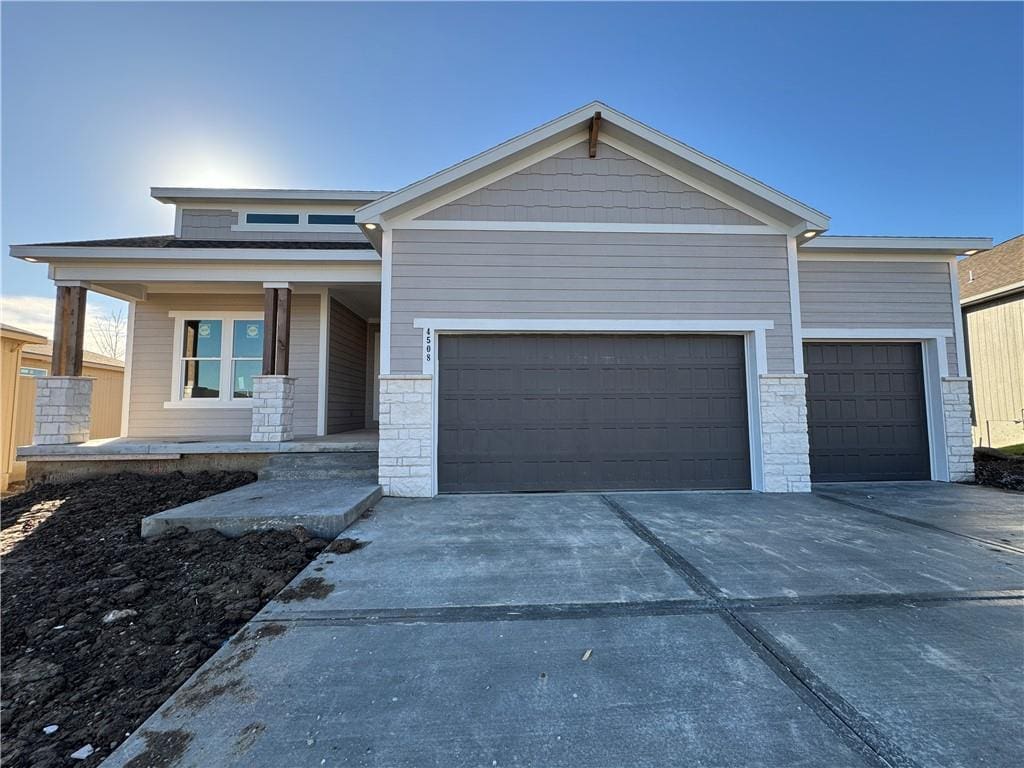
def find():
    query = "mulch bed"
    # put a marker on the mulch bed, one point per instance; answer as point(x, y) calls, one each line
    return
point(999, 470)
point(72, 556)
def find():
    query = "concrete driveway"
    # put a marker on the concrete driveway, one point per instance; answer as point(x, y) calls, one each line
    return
point(865, 625)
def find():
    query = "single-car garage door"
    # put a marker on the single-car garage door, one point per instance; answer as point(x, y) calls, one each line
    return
point(602, 412)
point(866, 411)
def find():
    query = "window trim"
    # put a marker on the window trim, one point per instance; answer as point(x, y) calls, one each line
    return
point(226, 400)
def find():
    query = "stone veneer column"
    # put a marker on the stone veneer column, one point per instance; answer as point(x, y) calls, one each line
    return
point(63, 410)
point(956, 415)
point(785, 447)
point(406, 435)
point(273, 407)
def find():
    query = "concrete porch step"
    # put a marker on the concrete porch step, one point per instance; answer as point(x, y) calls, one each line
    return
point(324, 466)
point(324, 507)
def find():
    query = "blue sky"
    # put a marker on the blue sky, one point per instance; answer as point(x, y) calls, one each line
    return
point(901, 119)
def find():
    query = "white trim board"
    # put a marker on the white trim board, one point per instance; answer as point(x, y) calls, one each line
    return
point(796, 318)
point(944, 246)
point(46, 253)
point(321, 400)
point(958, 318)
point(570, 226)
point(757, 328)
point(891, 334)
point(385, 303)
point(126, 380)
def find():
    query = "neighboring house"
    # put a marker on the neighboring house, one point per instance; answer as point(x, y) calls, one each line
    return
point(590, 305)
point(106, 405)
point(12, 345)
point(992, 298)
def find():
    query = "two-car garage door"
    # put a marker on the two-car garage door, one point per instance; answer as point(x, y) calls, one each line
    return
point(591, 412)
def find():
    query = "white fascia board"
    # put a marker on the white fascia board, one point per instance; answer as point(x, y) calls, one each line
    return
point(199, 273)
point(372, 212)
point(185, 194)
point(591, 326)
point(48, 253)
point(939, 246)
point(996, 293)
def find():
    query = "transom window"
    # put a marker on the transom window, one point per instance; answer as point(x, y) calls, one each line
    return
point(217, 358)
point(271, 218)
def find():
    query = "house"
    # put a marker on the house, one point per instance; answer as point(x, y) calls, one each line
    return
point(992, 300)
point(12, 345)
point(590, 305)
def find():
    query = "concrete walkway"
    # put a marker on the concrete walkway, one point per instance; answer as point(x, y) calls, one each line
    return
point(880, 626)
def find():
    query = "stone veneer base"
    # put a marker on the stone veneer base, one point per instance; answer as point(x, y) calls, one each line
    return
point(785, 446)
point(273, 409)
point(406, 440)
point(956, 417)
point(63, 410)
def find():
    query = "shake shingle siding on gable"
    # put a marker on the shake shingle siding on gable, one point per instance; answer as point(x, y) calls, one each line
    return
point(874, 294)
point(210, 224)
point(572, 187)
point(587, 275)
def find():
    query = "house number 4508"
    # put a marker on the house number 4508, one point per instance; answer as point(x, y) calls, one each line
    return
point(428, 345)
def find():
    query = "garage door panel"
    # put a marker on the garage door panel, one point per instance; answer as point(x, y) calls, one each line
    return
point(866, 411)
point(592, 412)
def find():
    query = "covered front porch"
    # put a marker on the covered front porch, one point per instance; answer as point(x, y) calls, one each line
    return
point(268, 356)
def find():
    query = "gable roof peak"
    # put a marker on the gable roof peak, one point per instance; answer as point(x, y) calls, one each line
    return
point(615, 126)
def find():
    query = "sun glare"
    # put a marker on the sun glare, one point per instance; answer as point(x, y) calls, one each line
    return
point(185, 165)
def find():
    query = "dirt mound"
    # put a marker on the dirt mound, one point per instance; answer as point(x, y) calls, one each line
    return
point(999, 470)
point(101, 626)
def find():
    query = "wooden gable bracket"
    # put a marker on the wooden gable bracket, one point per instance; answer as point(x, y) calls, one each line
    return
point(595, 129)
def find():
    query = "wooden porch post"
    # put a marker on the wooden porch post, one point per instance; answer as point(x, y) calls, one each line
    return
point(283, 331)
point(269, 329)
point(69, 330)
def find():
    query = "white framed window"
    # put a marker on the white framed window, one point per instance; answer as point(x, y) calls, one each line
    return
point(216, 356)
point(268, 220)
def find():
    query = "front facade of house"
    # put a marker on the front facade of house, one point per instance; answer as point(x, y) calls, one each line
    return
point(589, 306)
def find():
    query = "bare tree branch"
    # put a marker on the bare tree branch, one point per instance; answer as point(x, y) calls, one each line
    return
point(110, 332)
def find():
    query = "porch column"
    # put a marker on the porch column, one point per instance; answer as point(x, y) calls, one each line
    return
point(273, 404)
point(63, 408)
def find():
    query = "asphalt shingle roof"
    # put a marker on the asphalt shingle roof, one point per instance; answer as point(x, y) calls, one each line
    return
point(991, 270)
point(46, 350)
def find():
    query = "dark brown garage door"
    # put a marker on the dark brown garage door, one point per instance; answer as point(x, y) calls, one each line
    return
point(554, 413)
point(866, 412)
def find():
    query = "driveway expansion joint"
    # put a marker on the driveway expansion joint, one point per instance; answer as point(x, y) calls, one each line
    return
point(837, 713)
point(1002, 546)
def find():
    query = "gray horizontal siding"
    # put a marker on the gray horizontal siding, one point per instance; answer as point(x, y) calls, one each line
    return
point(210, 224)
point(346, 372)
point(152, 360)
point(573, 187)
point(587, 275)
point(877, 294)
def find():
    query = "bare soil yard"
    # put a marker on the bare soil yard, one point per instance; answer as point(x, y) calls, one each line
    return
point(999, 469)
point(100, 626)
